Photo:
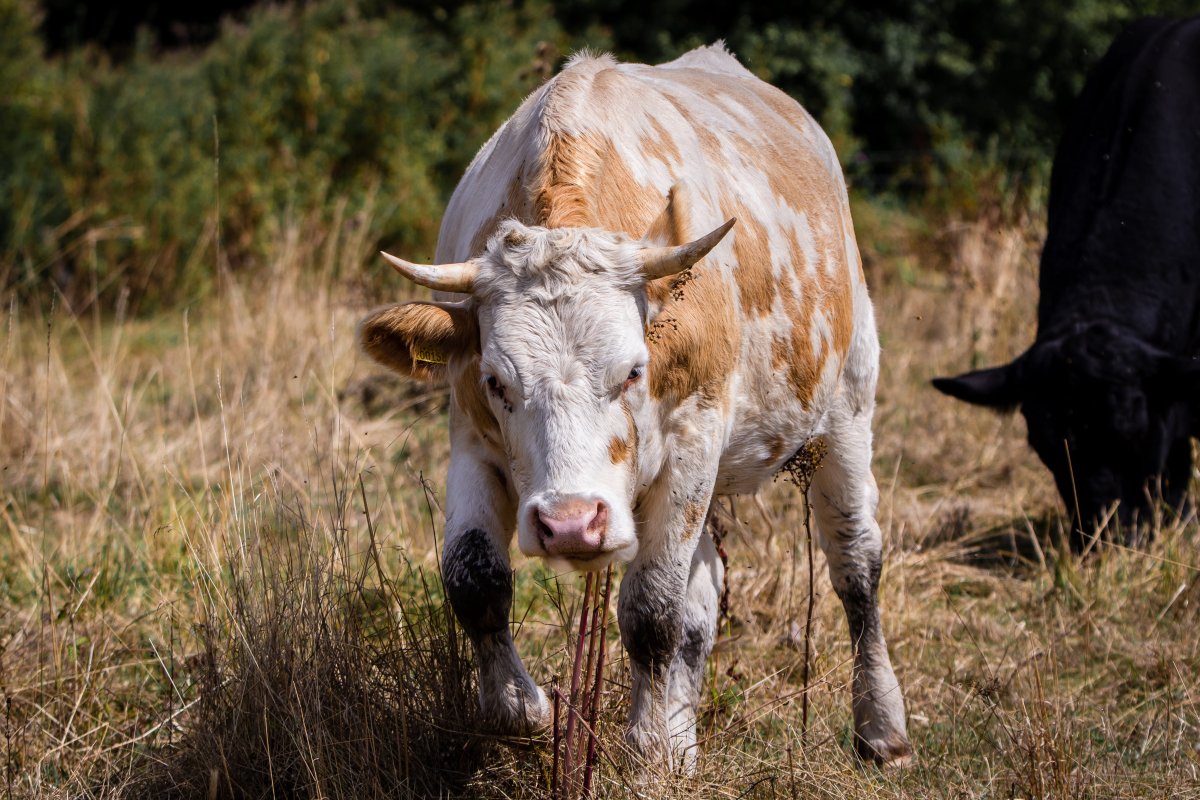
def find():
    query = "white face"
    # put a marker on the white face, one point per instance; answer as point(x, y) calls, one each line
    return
point(563, 366)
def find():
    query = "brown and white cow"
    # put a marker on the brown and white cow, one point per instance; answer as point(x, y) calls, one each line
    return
point(619, 354)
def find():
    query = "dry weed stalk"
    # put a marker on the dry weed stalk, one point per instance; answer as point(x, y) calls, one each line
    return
point(574, 779)
point(800, 469)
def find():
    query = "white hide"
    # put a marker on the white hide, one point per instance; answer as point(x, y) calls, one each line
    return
point(561, 348)
point(562, 321)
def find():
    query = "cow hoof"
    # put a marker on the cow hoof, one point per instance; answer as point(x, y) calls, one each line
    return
point(650, 753)
point(890, 752)
point(518, 712)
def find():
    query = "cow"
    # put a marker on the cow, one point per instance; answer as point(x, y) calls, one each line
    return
point(619, 353)
point(1108, 388)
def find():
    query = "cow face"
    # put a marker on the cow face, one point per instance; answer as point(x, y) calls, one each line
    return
point(1104, 411)
point(562, 365)
point(552, 342)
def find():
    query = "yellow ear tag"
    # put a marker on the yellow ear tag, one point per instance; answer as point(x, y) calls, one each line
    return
point(430, 355)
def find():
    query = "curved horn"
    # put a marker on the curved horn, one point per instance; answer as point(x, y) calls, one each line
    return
point(441, 277)
point(659, 262)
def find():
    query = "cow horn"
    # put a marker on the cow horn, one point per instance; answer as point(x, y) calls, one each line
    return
point(659, 262)
point(440, 277)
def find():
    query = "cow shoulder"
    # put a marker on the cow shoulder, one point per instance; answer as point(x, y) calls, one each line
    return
point(694, 338)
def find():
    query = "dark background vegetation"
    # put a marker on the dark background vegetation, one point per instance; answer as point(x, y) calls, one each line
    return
point(140, 141)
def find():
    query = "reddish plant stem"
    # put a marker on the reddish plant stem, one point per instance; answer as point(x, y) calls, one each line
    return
point(598, 686)
point(572, 703)
point(587, 699)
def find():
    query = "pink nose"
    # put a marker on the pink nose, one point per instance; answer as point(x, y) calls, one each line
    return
point(572, 527)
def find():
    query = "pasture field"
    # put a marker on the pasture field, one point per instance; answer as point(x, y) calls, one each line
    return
point(220, 579)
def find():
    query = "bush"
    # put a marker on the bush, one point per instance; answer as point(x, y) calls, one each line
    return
point(300, 118)
point(304, 122)
point(916, 95)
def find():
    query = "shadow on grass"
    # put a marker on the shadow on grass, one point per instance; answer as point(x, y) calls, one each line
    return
point(1016, 546)
point(1023, 545)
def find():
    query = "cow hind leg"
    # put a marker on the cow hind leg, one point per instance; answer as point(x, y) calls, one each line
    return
point(478, 584)
point(686, 678)
point(844, 498)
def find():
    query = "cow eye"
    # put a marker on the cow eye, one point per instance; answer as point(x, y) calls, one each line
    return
point(634, 375)
point(493, 385)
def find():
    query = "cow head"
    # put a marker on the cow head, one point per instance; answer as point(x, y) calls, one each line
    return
point(1102, 408)
point(551, 342)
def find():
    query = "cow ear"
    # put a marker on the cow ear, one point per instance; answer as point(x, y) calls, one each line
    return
point(673, 226)
point(418, 339)
point(995, 387)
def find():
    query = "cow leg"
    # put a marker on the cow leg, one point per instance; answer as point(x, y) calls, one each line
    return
point(668, 601)
point(651, 614)
point(478, 581)
point(686, 678)
point(844, 497)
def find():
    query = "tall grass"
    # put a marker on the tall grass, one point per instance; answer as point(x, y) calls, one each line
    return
point(195, 601)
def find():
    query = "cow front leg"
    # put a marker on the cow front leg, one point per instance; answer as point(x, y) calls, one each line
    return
point(478, 583)
point(651, 614)
point(844, 497)
point(478, 579)
point(668, 615)
point(667, 610)
point(686, 679)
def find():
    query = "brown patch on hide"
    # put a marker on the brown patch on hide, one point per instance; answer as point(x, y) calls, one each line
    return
point(803, 365)
point(693, 518)
point(418, 339)
point(620, 203)
point(781, 350)
point(618, 450)
point(710, 144)
point(694, 340)
point(582, 181)
point(777, 139)
point(835, 287)
point(838, 307)
point(559, 186)
point(754, 274)
point(827, 292)
point(798, 178)
point(785, 106)
point(660, 146)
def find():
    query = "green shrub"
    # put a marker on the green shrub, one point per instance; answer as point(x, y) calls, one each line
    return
point(304, 122)
point(306, 118)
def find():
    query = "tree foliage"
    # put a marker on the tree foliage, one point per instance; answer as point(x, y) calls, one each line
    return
point(118, 173)
point(118, 166)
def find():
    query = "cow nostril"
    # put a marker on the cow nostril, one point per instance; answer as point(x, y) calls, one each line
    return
point(600, 520)
point(539, 524)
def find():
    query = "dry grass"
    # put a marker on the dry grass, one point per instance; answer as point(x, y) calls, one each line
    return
point(221, 572)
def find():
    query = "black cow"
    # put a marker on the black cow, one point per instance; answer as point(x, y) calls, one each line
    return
point(1110, 388)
